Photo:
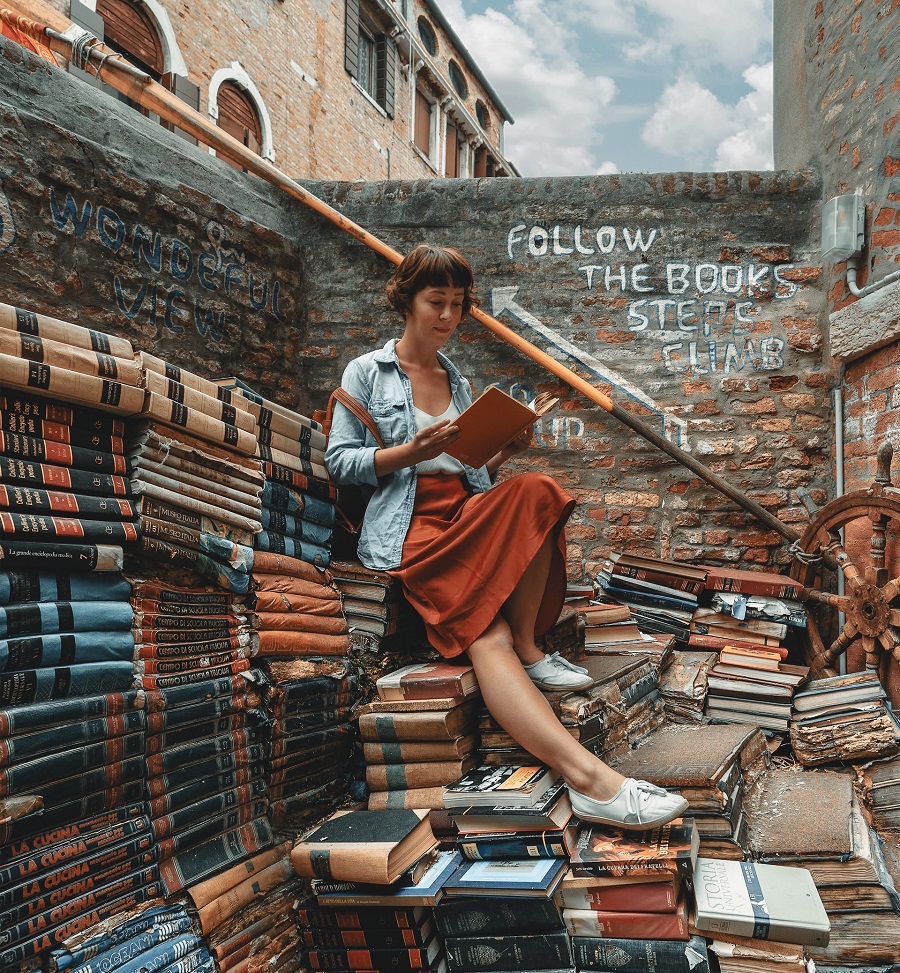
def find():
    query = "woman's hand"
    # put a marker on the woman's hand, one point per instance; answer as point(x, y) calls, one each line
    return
point(426, 444)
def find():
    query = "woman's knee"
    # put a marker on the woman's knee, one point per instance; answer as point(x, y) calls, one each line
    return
point(495, 639)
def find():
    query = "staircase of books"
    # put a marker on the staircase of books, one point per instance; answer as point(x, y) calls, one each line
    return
point(222, 750)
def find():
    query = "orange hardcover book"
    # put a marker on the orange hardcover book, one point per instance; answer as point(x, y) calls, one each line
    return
point(752, 582)
point(428, 680)
point(753, 658)
point(491, 421)
point(722, 642)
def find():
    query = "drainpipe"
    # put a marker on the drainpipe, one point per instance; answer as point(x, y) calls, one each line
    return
point(838, 399)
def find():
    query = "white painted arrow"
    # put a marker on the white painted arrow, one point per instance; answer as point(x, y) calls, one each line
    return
point(674, 428)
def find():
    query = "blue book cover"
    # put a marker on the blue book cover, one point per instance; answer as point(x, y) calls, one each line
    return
point(538, 877)
point(411, 889)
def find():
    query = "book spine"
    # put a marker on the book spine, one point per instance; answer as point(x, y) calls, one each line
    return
point(217, 507)
point(302, 447)
point(47, 351)
point(498, 916)
point(540, 951)
point(297, 463)
point(316, 486)
point(194, 399)
point(415, 797)
point(752, 586)
point(626, 925)
point(641, 955)
point(385, 777)
point(41, 685)
point(75, 387)
point(25, 500)
point(645, 897)
point(39, 716)
point(59, 432)
point(28, 409)
point(547, 844)
point(61, 454)
point(40, 526)
point(35, 325)
point(366, 959)
point(690, 585)
point(46, 741)
point(624, 869)
point(199, 424)
point(292, 425)
point(25, 473)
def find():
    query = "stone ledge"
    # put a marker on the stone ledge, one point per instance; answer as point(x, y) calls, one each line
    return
point(866, 324)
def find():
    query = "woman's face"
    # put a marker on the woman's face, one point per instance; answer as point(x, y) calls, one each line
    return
point(435, 313)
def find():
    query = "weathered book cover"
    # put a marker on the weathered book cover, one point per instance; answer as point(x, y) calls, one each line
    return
point(203, 860)
point(764, 901)
point(410, 798)
point(151, 508)
point(752, 582)
point(25, 473)
point(419, 751)
point(74, 387)
point(281, 457)
point(466, 916)
point(59, 354)
point(52, 617)
point(313, 484)
point(641, 955)
point(440, 725)
point(536, 951)
point(247, 759)
point(364, 846)
point(32, 653)
point(263, 881)
point(302, 447)
point(203, 426)
point(553, 810)
point(194, 399)
point(427, 680)
point(25, 322)
point(387, 777)
point(601, 850)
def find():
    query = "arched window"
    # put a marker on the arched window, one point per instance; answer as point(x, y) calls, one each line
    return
point(238, 117)
point(129, 29)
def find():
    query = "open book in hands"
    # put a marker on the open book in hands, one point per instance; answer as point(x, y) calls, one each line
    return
point(492, 421)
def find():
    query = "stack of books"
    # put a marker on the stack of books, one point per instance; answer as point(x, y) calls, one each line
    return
point(843, 718)
point(712, 767)
point(434, 702)
point(246, 911)
point(683, 685)
point(747, 686)
point(75, 837)
point(299, 502)
point(608, 624)
point(309, 702)
point(206, 761)
point(841, 852)
point(180, 399)
point(373, 603)
point(147, 934)
point(711, 629)
point(199, 504)
point(626, 895)
point(663, 594)
point(186, 635)
point(296, 609)
point(882, 790)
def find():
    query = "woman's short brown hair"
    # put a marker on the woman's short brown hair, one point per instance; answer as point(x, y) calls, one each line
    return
point(430, 266)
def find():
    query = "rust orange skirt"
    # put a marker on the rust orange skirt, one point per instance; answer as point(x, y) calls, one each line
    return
point(464, 554)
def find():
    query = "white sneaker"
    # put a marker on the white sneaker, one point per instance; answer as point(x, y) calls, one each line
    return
point(554, 673)
point(637, 805)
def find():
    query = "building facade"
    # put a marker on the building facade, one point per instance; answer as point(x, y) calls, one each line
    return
point(325, 89)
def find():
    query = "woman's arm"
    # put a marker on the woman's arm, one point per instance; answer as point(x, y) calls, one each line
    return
point(426, 444)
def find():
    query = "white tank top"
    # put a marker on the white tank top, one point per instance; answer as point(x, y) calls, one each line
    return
point(442, 465)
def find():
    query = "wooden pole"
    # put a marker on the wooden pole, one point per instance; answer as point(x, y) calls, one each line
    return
point(142, 89)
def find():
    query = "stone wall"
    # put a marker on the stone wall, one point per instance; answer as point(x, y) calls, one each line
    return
point(692, 299)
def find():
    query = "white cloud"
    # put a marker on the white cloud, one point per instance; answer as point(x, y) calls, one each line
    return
point(691, 123)
point(710, 31)
point(607, 168)
point(556, 102)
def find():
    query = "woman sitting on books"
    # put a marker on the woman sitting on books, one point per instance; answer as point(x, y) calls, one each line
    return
point(483, 565)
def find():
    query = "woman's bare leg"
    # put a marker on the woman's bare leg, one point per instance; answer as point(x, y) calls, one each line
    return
point(521, 709)
point(521, 608)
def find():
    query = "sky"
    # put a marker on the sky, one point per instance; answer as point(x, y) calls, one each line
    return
point(606, 86)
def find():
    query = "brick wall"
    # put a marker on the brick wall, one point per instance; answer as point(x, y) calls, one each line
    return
point(692, 299)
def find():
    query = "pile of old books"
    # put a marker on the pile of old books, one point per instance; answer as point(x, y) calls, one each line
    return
point(683, 685)
point(753, 686)
point(199, 500)
point(881, 780)
point(299, 506)
point(841, 852)
point(374, 605)
point(76, 843)
point(419, 734)
point(309, 702)
point(843, 718)
point(712, 767)
point(185, 635)
point(245, 914)
point(207, 748)
point(607, 625)
point(662, 594)
point(370, 913)
point(627, 891)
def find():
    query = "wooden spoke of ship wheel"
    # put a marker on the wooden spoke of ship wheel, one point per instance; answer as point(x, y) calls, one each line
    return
point(871, 600)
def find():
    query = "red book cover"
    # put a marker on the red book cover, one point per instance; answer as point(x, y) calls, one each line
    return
point(719, 642)
point(585, 893)
point(691, 585)
point(628, 925)
point(428, 680)
point(752, 582)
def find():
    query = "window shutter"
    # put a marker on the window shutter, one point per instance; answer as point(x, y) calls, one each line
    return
point(185, 91)
point(386, 73)
point(423, 124)
point(451, 162)
point(351, 38)
point(131, 31)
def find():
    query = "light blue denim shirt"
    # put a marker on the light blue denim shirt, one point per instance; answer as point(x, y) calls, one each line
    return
point(377, 381)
